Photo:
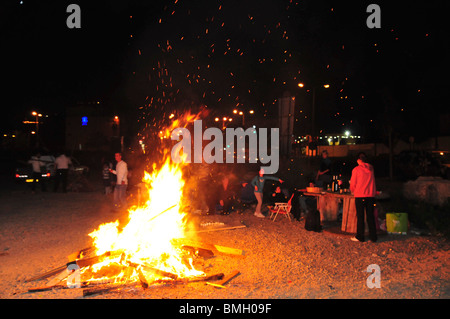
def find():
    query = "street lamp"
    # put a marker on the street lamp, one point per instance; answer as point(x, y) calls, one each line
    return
point(242, 113)
point(313, 115)
point(37, 116)
point(224, 119)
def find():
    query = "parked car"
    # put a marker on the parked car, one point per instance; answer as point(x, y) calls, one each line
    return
point(24, 171)
point(412, 164)
point(443, 157)
point(78, 169)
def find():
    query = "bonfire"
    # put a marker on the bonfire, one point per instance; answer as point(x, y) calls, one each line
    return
point(151, 247)
point(149, 240)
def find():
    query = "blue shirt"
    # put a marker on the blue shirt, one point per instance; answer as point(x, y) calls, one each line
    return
point(258, 181)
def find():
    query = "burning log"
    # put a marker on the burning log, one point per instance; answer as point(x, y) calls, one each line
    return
point(159, 272)
point(110, 270)
point(211, 247)
point(100, 290)
point(205, 253)
point(217, 229)
point(95, 291)
point(47, 288)
point(142, 279)
point(80, 263)
point(57, 279)
point(47, 274)
point(164, 211)
point(211, 277)
point(81, 253)
point(221, 284)
point(141, 276)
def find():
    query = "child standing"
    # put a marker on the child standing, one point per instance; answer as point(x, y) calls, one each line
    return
point(106, 175)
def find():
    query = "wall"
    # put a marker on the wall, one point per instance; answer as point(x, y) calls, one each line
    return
point(374, 149)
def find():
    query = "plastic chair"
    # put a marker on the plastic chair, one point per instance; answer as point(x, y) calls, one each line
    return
point(281, 208)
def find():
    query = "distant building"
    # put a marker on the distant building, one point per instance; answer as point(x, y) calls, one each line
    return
point(92, 127)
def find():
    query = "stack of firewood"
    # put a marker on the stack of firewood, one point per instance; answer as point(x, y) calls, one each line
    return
point(120, 274)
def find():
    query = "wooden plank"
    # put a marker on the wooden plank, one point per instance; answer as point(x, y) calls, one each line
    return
point(226, 279)
point(47, 274)
point(215, 285)
point(229, 250)
point(210, 277)
point(94, 291)
point(142, 279)
point(205, 253)
point(81, 263)
point(214, 248)
point(80, 253)
point(156, 271)
point(216, 229)
point(60, 277)
point(47, 288)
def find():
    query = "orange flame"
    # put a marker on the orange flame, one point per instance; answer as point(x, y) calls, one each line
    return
point(148, 237)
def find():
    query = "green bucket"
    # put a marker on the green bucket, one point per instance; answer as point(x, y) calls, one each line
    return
point(397, 223)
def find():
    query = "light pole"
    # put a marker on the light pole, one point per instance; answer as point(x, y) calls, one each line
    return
point(37, 116)
point(242, 113)
point(224, 120)
point(313, 111)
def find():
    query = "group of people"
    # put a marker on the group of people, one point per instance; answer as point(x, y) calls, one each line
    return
point(61, 166)
point(362, 186)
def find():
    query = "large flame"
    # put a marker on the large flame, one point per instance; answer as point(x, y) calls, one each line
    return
point(148, 237)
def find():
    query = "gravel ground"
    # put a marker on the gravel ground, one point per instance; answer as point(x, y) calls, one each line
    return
point(282, 260)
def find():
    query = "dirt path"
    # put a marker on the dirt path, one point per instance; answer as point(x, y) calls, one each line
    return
point(282, 259)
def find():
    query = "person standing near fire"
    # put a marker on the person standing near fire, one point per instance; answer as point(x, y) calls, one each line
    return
point(324, 176)
point(37, 165)
point(362, 185)
point(62, 163)
point(258, 184)
point(120, 190)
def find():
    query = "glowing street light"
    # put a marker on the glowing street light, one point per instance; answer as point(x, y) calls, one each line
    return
point(242, 113)
point(313, 111)
point(37, 116)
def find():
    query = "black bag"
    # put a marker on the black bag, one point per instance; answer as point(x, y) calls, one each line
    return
point(312, 221)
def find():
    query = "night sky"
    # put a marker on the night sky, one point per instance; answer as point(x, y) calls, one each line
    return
point(145, 59)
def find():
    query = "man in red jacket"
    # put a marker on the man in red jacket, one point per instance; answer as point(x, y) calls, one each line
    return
point(362, 185)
